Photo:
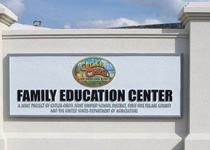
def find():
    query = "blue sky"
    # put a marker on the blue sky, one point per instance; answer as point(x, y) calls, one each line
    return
point(96, 13)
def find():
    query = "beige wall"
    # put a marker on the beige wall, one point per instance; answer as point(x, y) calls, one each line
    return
point(146, 133)
point(190, 132)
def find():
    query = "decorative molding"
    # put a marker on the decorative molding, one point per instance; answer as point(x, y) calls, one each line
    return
point(74, 34)
point(200, 12)
point(7, 17)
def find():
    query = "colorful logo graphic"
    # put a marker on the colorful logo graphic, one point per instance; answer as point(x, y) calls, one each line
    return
point(94, 71)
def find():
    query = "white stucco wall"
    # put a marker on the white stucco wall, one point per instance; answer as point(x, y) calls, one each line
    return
point(189, 132)
point(109, 132)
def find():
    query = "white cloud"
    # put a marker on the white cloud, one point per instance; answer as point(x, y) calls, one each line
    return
point(107, 23)
point(18, 26)
point(66, 26)
point(152, 21)
point(120, 22)
point(17, 6)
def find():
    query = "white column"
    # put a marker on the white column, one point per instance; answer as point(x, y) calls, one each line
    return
point(7, 18)
point(196, 17)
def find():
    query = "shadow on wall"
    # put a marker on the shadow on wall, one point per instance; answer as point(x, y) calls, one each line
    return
point(182, 125)
point(179, 146)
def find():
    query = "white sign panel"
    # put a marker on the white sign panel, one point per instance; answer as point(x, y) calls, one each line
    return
point(95, 86)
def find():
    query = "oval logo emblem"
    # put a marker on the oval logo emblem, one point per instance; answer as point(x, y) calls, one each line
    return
point(94, 71)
